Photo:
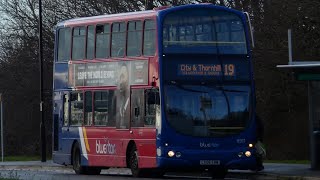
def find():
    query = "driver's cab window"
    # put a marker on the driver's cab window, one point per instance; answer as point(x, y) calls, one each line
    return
point(152, 102)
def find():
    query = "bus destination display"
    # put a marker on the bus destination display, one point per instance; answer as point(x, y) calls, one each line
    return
point(206, 69)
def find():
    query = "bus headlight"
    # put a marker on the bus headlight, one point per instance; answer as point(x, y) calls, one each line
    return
point(170, 153)
point(250, 145)
point(248, 153)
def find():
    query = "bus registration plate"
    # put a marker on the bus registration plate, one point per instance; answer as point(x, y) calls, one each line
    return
point(209, 162)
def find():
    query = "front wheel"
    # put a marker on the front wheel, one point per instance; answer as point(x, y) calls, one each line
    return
point(134, 163)
point(76, 160)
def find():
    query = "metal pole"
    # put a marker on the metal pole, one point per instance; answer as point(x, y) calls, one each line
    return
point(290, 46)
point(42, 122)
point(2, 149)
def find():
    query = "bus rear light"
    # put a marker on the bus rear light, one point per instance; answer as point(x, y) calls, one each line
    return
point(171, 153)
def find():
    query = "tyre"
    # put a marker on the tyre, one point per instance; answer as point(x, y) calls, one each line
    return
point(76, 160)
point(134, 163)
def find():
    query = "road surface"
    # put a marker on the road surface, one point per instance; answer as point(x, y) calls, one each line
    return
point(35, 173)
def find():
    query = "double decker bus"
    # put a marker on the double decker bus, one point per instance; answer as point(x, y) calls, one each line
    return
point(155, 91)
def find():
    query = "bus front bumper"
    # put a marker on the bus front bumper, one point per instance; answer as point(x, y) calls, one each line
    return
point(200, 161)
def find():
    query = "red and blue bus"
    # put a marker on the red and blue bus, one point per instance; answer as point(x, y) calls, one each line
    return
point(160, 90)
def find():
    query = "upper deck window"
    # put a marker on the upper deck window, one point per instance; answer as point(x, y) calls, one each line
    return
point(118, 39)
point(103, 41)
point(78, 44)
point(64, 44)
point(134, 38)
point(90, 42)
point(204, 31)
point(149, 40)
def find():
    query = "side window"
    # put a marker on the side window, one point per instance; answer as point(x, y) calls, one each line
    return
point(149, 38)
point(237, 31)
point(104, 108)
point(76, 113)
point(134, 38)
point(137, 107)
point(103, 41)
point(118, 39)
point(152, 101)
point(65, 110)
point(90, 42)
point(78, 43)
point(64, 44)
point(88, 109)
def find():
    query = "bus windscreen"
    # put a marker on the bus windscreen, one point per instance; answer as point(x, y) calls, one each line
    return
point(207, 110)
point(203, 31)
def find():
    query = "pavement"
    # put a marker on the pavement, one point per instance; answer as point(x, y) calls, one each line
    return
point(271, 170)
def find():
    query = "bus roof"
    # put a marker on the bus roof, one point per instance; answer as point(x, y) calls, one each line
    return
point(132, 15)
point(108, 17)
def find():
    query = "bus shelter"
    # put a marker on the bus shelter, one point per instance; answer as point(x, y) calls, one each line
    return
point(310, 72)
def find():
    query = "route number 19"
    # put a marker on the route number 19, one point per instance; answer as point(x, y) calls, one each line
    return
point(229, 69)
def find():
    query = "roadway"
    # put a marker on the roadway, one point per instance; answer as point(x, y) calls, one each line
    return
point(37, 170)
point(121, 174)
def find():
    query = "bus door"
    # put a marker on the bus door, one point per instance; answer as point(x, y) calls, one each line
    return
point(152, 103)
point(57, 119)
point(123, 110)
point(64, 121)
point(60, 119)
point(137, 108)
point(144, 104)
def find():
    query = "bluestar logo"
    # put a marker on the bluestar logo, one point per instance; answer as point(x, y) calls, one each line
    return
point(107, 148)
point(208, 145)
